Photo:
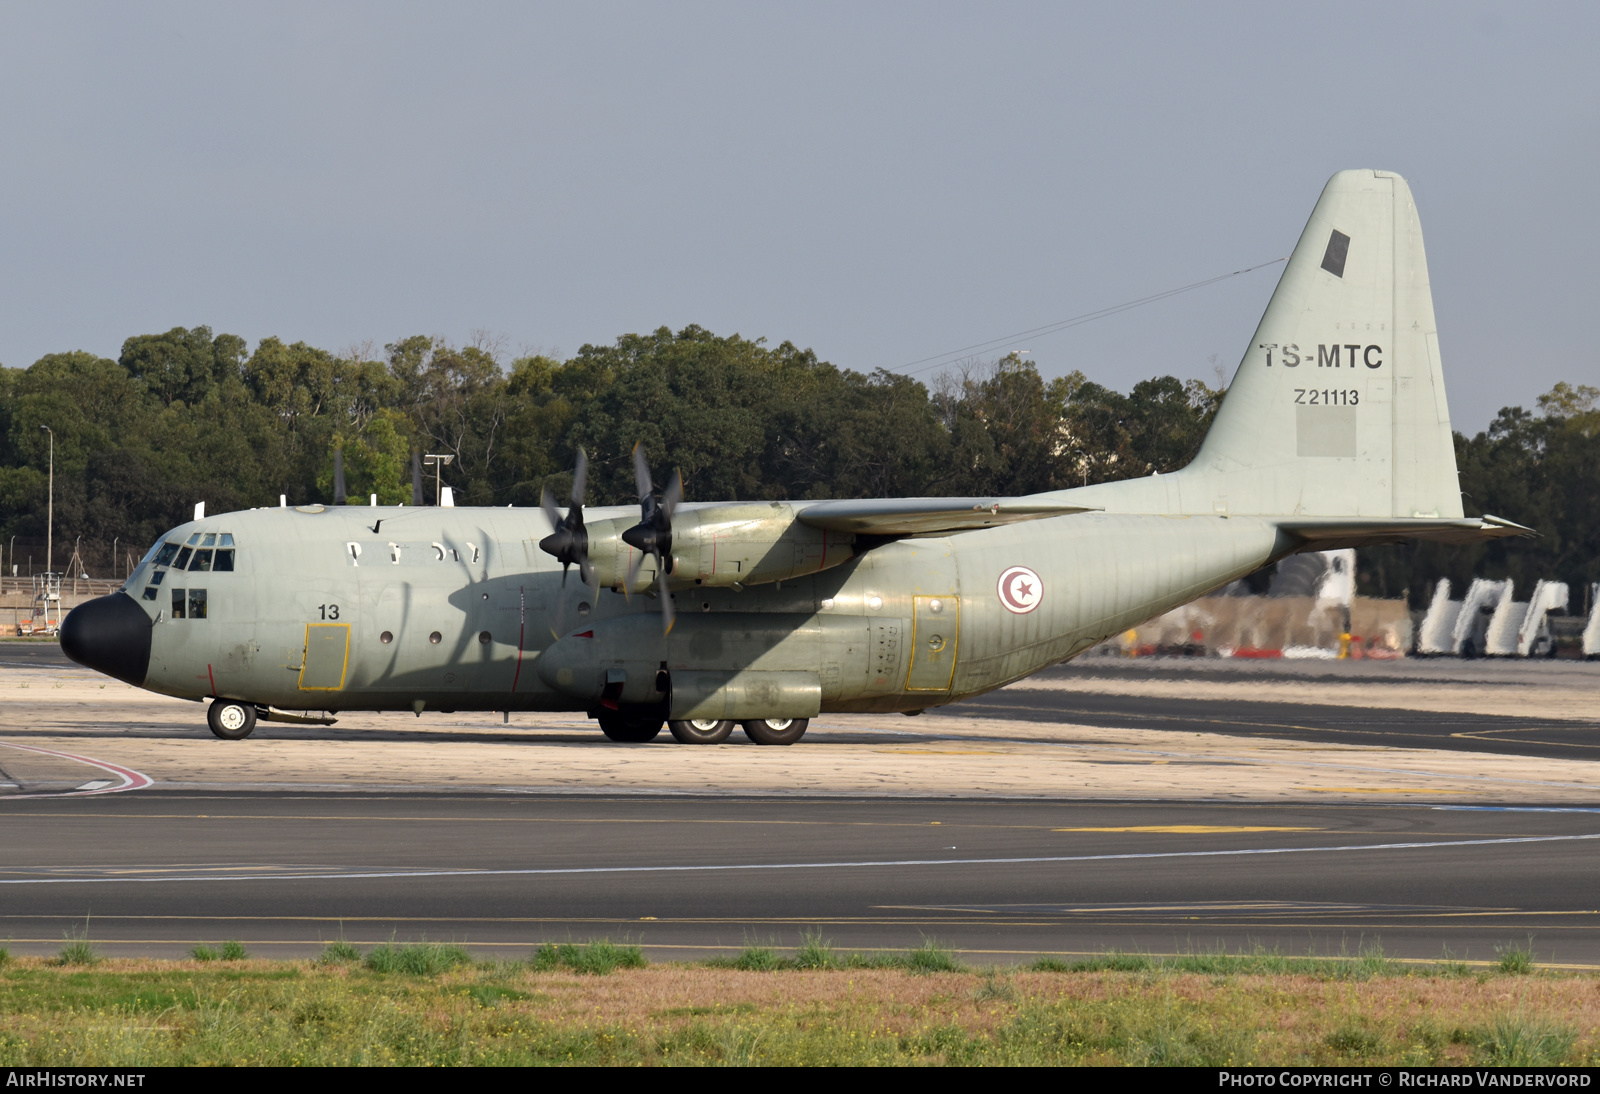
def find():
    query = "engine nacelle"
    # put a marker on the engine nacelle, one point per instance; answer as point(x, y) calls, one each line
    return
point(751, 543)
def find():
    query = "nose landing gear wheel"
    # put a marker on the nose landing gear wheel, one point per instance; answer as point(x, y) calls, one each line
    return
point(701, 731)
point(230, 720)
point(633, 729)
point(776, 731)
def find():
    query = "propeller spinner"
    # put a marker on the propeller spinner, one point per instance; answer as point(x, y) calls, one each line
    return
point(653, 534)
point(569, 542)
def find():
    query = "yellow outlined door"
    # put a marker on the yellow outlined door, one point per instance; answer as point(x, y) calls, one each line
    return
point(935, 624)
point(326, 658)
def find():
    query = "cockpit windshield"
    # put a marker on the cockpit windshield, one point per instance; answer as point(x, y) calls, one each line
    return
point(203, 552)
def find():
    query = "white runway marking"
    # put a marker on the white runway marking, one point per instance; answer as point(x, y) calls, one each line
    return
point(131, 779)
point(745, 866)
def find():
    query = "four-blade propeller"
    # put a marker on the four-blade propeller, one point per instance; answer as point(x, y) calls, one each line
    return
point(653, 534)
point(569, 542)
point(569, 539)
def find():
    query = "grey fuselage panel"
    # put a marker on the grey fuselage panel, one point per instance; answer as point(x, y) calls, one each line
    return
point(367, 608)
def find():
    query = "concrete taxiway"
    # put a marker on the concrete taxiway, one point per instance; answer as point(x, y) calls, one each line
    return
point(1157, 806)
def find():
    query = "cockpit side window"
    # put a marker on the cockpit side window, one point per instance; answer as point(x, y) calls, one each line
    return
point(179, 601)
point(197, 603)
point(165, 554)
point(201, 560)
point(224, 561)
point(182, 561)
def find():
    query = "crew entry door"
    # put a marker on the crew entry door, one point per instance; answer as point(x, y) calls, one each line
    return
point(935, 625)
point(327, 655)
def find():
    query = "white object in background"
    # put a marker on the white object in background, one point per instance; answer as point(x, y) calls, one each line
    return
point(1309, 653)
point(1591, 632)
point(1480, 595)
point(199, 510)
point(447, 497)
point(1338, 585)
point(374, 501)
point(283, 501)
point(1500, 640)
point(1439, 623)
point(1548, 596)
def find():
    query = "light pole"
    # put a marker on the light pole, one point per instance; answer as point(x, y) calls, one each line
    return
point(50, 519)
point(437, 462)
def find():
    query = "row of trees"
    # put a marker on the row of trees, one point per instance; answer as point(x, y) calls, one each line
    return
point(189, 415)
point(1540, 468)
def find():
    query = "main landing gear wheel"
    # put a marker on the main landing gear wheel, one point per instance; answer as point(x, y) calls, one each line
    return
point(776, 731)
point(701, 731)
point(230, 720)
point(630, 729)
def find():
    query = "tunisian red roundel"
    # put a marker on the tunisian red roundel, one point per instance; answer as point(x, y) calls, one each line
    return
point(1020, 590)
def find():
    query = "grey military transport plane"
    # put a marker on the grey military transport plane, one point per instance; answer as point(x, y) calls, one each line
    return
point(1334, 433)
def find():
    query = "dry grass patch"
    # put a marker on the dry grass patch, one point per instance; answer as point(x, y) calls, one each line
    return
point(121, 1012)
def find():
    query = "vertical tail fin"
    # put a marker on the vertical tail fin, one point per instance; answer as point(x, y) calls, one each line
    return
point(1338, 407)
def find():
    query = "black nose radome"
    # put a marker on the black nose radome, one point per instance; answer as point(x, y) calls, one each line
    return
point(110, 634)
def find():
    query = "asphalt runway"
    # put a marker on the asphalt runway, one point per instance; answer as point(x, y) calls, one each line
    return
point(32, 653)
point(1494, 734)
point(155, 873)
point(1317, 724)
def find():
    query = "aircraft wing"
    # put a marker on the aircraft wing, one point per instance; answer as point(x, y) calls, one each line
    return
point(925, 516)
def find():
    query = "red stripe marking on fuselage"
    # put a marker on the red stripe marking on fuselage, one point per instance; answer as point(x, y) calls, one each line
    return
point(212, 677)
point(522, 626)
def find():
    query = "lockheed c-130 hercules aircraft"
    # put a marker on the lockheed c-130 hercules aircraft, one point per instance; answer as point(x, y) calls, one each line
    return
point(1333, 433)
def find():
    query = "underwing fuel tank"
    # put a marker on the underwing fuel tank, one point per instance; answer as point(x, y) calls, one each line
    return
point(733, 665)
point(722, 546)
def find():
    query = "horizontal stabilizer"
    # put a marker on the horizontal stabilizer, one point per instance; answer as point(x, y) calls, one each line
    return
point(927, 516)
point(1329, 533)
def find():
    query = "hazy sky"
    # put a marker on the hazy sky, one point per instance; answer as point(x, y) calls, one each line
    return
point(880, 182)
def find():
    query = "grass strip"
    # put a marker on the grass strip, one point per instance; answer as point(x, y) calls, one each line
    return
point(599, 1002)
point(817, 953)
